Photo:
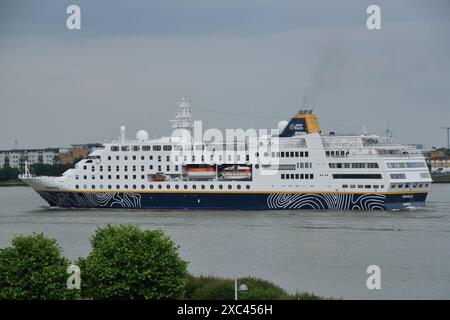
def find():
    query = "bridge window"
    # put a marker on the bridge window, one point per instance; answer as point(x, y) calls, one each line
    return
point(397, 176)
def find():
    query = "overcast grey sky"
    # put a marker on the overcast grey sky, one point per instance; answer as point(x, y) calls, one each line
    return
point(243, 63)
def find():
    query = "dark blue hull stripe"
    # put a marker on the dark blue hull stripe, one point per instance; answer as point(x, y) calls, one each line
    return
point(234, 201)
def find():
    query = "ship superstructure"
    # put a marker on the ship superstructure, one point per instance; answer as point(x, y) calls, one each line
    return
point(295, 167)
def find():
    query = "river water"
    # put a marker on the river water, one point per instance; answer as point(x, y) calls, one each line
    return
point(324, 252)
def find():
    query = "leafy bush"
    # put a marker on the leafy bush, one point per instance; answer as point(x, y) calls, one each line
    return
point(129, 263)
point(33, 268)
point(210, 288)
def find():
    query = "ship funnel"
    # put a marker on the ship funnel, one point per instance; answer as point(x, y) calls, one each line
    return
point(305, 121)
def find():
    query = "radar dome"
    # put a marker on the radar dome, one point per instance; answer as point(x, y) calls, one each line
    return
point(142, 135)
point(282, 124)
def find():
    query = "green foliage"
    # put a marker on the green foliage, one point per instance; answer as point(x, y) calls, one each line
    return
point(302, 296)
point(213, 288)
point(210, 288)
point(40, 169)
point(129, 263)
point(8, 173)
point(34, 269)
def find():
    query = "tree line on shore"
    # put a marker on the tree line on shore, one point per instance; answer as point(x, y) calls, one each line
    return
point(8, 173)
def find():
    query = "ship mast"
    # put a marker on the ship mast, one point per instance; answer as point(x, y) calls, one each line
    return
point(183, 118)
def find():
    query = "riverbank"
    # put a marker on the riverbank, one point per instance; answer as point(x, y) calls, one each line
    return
point(12, 183)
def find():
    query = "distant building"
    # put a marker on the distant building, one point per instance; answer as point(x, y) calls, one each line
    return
point(70, 155)
point(439, 161)
point(16, 158)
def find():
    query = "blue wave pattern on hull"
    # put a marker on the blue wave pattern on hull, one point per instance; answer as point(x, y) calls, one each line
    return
point(92, 199)
point(327, 201)
point(253, 201)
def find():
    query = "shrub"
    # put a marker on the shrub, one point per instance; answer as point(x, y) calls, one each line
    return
point(34, 269)
point(210, 288)
point(129, 263)
point(213, 288)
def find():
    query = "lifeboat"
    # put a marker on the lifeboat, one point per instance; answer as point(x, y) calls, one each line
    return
point(201, 173)
point(236, 173)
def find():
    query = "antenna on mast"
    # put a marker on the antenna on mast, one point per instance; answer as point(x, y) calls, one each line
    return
point(183, 118)
point(388, 132)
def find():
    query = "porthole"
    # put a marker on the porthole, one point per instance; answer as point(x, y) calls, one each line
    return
point(177, 187)
point(211, 186)
point(101, 187)
point(168, 186)
point(203, 186)
point(185, 186)
point(77, 187)
point(150, 186)
point(109, 186)
point(229, 186)
point(117, 187)
point(142, 187)
point(93, 187)
point(220, 187)
point(247, 187)
point(256, 166)
point(239, 186)
point(159, 186)
point(194, 186)
point(126, 186)
point(134, 186)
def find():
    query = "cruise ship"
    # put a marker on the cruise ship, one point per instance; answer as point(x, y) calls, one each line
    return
point(293, 167)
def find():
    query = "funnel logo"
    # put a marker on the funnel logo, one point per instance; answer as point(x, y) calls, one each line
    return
point(297, 126)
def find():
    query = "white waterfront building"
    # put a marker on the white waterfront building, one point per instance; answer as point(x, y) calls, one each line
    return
point(16, 158)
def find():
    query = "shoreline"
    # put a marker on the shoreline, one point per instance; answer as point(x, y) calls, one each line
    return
point(13, 183)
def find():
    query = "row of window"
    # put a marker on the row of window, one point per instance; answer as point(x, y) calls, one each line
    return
point(357, 165)
point(360, 186)
point(198, 148)
point(337, 153)
point(167, 186)
point(185, 158)
point(110, 177)
point(157, 148)
point(357, 176)
point(408, 186)
point(290, 154)
point(403, 165)
point(397, 176)
point(296, 176)
point(134, 168)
